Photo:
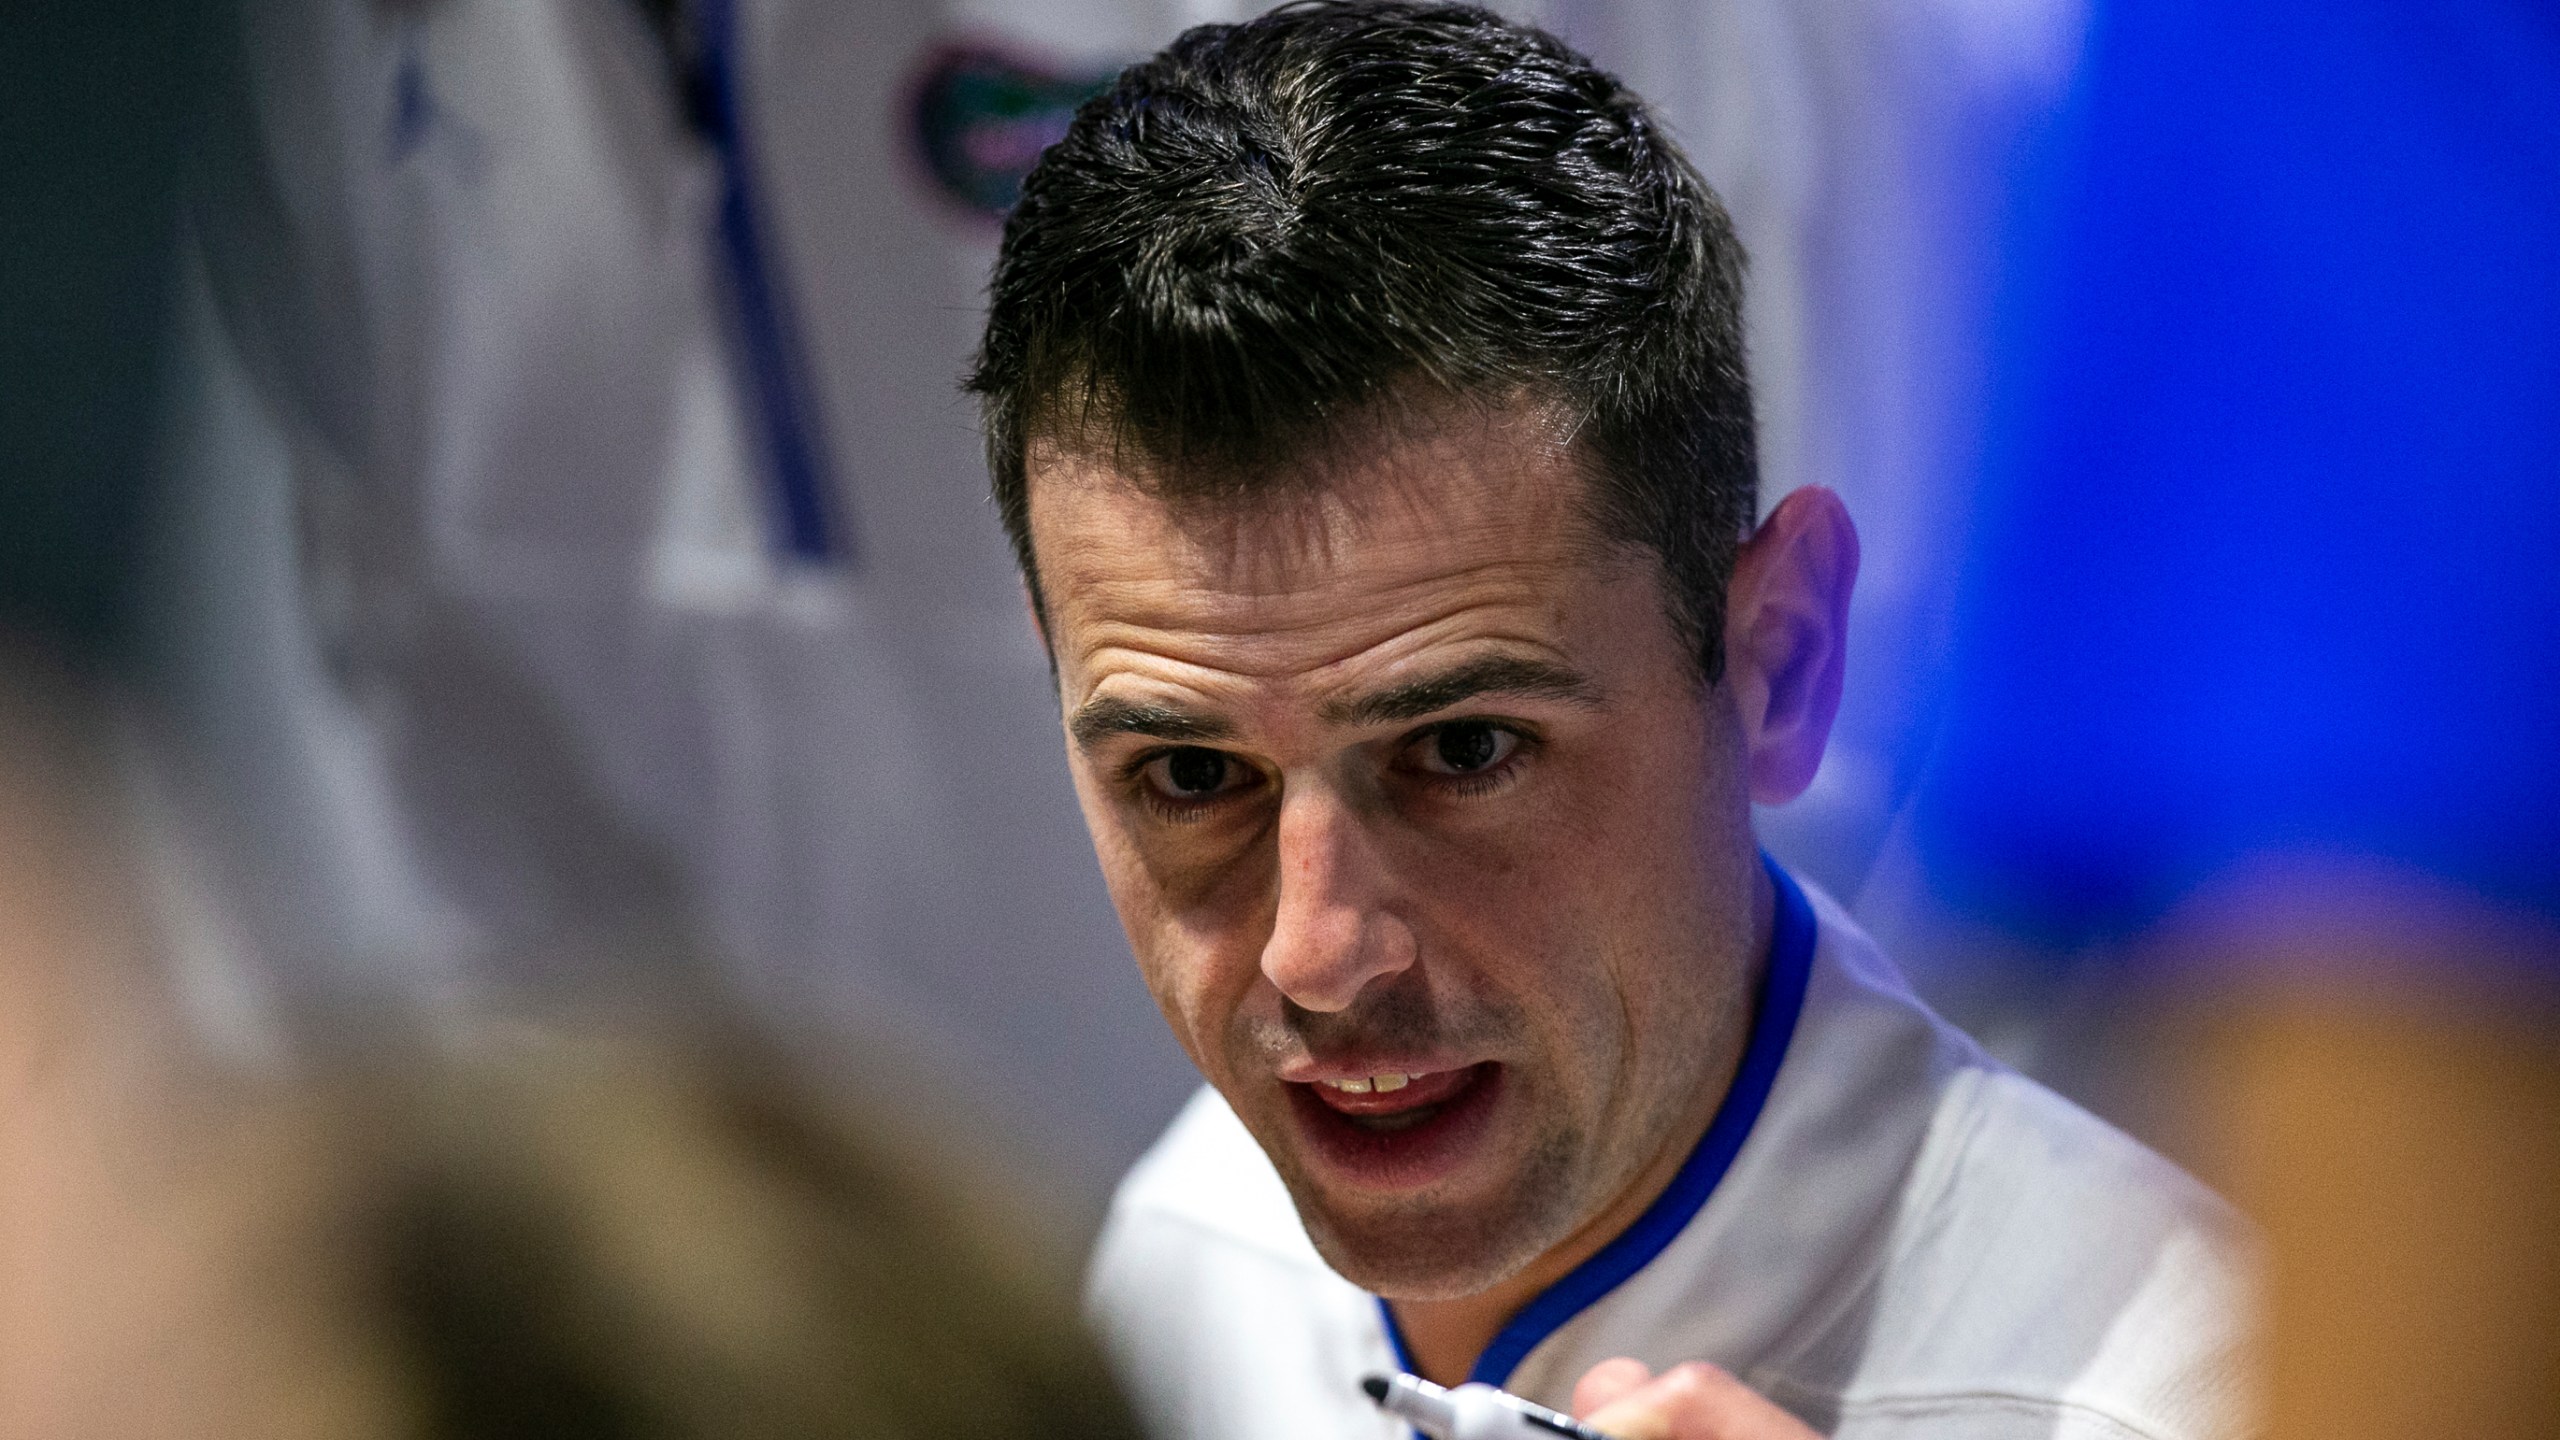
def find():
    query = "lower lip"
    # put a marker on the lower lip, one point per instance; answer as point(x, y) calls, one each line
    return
point(1419, 1152)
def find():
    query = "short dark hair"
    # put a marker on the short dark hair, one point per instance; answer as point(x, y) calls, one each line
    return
point(1270, 229)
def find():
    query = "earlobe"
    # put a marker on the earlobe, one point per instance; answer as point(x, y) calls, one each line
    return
point(1786, 638)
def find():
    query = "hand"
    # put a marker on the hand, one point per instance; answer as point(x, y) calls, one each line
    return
point(1695, 1401)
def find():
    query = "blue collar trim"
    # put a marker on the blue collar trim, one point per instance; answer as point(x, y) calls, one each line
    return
point(809, 525)
point(1772, 1028)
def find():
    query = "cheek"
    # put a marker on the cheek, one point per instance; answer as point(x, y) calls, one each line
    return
point(1197, 948)
point(1511, 916)
point(1594, 907)
point(1610, 844)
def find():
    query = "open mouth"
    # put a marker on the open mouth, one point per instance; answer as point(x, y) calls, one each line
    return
point(1397, 1129)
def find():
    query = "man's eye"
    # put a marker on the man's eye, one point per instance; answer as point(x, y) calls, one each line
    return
point(1466, 747)
point(1194, 773)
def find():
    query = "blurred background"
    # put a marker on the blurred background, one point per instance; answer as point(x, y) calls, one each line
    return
point(550, 517)
point(498, 471)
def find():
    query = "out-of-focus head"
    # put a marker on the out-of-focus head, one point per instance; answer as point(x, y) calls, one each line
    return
point(1276, 233)
point(576, 1239)
point(613, 1239)
point(1365, 398)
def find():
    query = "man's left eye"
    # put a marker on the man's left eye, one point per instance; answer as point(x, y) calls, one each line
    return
point(1465, 747)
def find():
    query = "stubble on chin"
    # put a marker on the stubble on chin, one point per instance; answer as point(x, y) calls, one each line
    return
point(1431, 1247)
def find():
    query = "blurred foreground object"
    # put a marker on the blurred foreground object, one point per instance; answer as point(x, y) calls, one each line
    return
point(2258, 677)
point(518, 1233)
point(516, 1236)
point(101, 1266)
point(2402, 1150)
point(617, 1238)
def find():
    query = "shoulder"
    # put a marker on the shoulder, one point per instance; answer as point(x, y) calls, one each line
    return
point(1216, 1310)
point(2022, 1266)
point(1201, 1231)
point(1205, 1184)
point(2045, 1263)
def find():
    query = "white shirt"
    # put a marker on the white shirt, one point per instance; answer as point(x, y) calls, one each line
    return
point(1908, 1239)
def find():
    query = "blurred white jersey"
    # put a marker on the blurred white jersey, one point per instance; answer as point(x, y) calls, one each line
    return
point(580, 536)
point(1883, 1231)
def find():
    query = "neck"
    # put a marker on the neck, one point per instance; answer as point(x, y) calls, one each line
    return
point(1444, 1337)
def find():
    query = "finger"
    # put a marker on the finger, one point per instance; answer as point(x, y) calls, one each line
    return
point(1603, 1383)
point(1696, 1401)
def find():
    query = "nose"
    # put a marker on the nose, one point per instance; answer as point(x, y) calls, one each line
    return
point(1332, 933)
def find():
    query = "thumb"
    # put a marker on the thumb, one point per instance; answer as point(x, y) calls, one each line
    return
point(1608, 1382)
point(1695, 1401)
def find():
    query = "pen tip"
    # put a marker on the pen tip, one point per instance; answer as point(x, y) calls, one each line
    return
point(1376, 1385)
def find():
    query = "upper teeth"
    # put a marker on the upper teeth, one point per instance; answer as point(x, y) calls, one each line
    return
point(1364, 1084)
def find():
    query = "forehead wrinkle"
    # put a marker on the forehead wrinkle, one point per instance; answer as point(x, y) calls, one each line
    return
point(1272, 546)
point(1326, 653)
point(1495, 675)
point(1223, 617)
point(1385, 474)
point(1308, 588)
point(1289, 585)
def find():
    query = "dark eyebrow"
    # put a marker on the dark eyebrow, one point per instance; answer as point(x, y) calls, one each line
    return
point(1107, 715)
point(1494, 675)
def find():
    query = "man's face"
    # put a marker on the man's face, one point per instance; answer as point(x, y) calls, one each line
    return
point(1430, 841)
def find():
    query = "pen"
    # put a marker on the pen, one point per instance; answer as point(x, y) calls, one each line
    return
point(1470, 1412)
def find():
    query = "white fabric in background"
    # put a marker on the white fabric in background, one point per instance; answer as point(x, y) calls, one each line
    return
point(473, 610)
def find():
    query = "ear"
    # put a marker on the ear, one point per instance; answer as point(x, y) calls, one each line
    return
point(1786, 633)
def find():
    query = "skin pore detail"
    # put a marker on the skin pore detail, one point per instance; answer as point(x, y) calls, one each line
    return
point(1431, 843)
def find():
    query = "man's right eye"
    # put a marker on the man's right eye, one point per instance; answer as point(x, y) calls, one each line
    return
point(1191, 773)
